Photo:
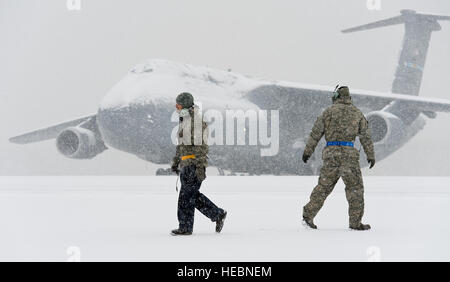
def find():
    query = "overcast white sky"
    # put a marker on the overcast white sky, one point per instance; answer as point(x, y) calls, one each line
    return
point(57, 64)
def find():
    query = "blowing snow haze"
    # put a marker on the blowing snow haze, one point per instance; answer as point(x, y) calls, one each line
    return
point(59, 64)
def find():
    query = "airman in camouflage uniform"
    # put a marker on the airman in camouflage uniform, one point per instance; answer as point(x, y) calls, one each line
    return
point(340, 122)
point(190, 163)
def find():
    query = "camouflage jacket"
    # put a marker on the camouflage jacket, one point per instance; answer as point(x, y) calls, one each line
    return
point(192, 139)
point(341, 122)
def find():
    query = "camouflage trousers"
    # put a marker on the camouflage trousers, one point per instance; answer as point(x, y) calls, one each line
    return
point(190, 199)
point(330, 173)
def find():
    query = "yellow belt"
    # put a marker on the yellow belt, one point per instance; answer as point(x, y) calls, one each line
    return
point(187, 157)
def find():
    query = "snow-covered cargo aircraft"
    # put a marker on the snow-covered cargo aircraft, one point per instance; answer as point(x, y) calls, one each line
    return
point(136, 116)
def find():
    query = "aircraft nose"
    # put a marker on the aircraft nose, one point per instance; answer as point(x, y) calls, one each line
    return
point(142, 130)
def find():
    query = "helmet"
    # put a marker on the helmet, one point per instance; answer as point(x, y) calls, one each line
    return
point(341, 92)
point(185, 99)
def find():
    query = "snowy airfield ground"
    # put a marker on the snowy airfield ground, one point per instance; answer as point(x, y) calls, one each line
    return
point(129, 219)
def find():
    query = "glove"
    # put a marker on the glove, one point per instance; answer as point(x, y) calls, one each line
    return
point(175, 169)
point(305, 158)
point(372, 162)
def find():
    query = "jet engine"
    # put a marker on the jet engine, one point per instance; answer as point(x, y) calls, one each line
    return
point(79, 143)
point(385, 127)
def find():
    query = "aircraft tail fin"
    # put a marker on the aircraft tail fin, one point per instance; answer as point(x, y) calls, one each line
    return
point(418, 29)
point(377, 24)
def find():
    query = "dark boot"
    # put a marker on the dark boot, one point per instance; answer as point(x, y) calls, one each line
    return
point(178, 231)
point(360, 227)
point(220, 222)
point(309, 223)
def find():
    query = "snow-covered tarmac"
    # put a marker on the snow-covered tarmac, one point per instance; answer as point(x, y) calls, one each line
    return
point(129, 219)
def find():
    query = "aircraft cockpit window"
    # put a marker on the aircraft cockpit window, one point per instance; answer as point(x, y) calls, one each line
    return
point(142, 68)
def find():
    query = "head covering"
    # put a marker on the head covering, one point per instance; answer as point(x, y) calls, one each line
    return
point(185, 99)
point(341, 93)
point(344, 92)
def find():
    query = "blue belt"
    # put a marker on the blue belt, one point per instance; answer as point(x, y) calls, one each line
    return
point(340, 143)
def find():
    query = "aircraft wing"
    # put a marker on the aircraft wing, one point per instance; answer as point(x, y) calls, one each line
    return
point(47, 132)
point(282, 95)
point(422, 104)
